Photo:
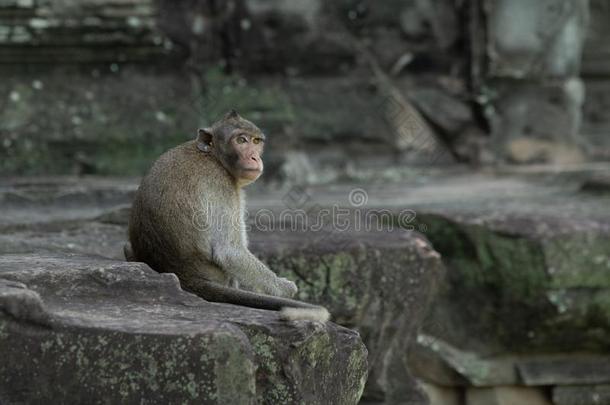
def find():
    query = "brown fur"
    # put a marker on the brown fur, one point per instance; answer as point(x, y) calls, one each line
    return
point(188, 219)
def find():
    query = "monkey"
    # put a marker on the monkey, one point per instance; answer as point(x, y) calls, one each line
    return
point(188, 218)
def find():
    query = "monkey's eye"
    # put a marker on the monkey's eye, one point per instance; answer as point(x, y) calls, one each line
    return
point(256, 141)
point(241, 139)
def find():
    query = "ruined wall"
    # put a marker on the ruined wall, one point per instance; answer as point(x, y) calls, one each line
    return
point(596, 75)
point(393, 83)
point(72, 31)
point(527, 72)
point(104, 87)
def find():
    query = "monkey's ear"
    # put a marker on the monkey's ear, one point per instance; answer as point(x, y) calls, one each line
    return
point(204, 139)
point(231, 114)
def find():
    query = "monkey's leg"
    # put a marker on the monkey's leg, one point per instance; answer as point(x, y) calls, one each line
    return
point(289, 309)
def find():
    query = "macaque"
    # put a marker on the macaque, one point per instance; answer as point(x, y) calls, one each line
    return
point(188, 219)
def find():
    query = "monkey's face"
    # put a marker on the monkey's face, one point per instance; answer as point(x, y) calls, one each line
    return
point(237, 144)
point(246, 156)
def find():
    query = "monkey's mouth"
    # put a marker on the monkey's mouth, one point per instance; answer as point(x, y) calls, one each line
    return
point(251, 173)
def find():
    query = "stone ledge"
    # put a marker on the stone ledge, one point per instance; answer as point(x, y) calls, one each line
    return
point(94, 329)
point(379, 283)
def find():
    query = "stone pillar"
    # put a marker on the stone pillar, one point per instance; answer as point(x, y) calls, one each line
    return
point(528, 77)
point(596, 75)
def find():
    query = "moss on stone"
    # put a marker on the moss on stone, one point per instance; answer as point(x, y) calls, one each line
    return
point(234, 374)
point(264, 347)
point(579, 261)
point(120, 125)
point(357, 361)
point(266, 104)
point(322, 278)
point(520, 291)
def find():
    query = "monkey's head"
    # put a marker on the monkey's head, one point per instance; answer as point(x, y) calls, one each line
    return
point(237, 144)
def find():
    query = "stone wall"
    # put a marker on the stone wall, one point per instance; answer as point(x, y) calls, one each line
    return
point(69, 31)
point(430, 83)
point(527, 72)
point(524, 316)
point(149, 73)
point(596, 75)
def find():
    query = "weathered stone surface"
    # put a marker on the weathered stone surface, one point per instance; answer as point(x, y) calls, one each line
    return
point(597, 184)
point(536, 39)
point(443, 110)
point(596, 123)
point(533, 123)
point(86, 131)
point(28, 201)
point(406, 36)
point(453, 367)
point(257, 36)
point(288, 38)
point(596, 74)
point(430, 365)
point(379, 282)
point(391, 51)
point(80, 32)
point(438, 19)
point(97, 122)
point(67, 237)
point(565, 370)
point(297, 37)
point(526, 58)
point(86, 329)
point(505, 396)
point(94, 122)
point(527, 258)
point(596, 54)
point(450, 366)
point(439, 395)
point(528, 266)
point(582, 395)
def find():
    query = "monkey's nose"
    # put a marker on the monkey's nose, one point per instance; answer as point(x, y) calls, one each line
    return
point(253, 162)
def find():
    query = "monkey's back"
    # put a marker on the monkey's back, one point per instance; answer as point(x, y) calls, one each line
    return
point(176, 194)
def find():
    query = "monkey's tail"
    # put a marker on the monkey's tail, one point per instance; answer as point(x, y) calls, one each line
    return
point(319, 314)
point(289, 309)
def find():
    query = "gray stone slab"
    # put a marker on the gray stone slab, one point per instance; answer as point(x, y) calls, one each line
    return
point(83, 329)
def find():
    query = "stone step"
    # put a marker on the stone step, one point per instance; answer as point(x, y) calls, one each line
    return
point(379, 283)
point(582, 395)
point(526, 256)
point(79, 329)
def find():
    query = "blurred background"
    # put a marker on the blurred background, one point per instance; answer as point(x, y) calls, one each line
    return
point(487, 118)
point(102, 87)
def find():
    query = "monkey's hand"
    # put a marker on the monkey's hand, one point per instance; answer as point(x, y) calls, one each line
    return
point(287, 288)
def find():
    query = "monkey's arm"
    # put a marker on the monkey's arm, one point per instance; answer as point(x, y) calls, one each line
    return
point(239, 263)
